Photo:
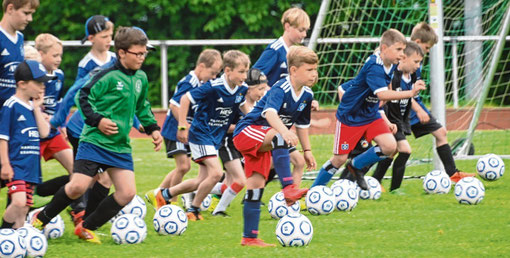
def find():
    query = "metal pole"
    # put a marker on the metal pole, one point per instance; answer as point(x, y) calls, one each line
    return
point(164, 77)
point(473, 57)
point(455, 76)
point(486, 84)
point(437, 78)
point(318, 24)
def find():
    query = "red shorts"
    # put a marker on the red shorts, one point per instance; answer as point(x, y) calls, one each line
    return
point(52, 146)
point(346, 137)
point(248, 142)
point(22, 186)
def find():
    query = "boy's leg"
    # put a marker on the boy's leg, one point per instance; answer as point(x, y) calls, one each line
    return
point(399, 167)
point(14, 211)
point(97, 193)
point(329, 169)
point(251, 211)
point(234, 169)
point(214, 173)
point(298, 161)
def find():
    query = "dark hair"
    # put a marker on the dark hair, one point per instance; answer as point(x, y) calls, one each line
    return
point(255, 77)
point(412, 47)
point(125, 37)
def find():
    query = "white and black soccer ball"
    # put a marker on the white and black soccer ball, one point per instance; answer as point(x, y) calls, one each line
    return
point(469, 190)
point(490, 167)
point(294, 230)
point(136, 206)
point(278, 208)
point(437, 182)
point(374, 189)
point(54, 229)
point(320, 200)
point(346, 195)
point(170, 220)
point(128, 229)
point(206, 203)
point(12, 244)
point(34, 239)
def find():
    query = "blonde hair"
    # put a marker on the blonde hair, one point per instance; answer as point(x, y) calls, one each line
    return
point(299, 55)
point(44, 41)
point(392, 36)
point(31, 53)
point(424, 33)
point(20, 3)
point(296, 17)
point(234, 58)
point(209, 57)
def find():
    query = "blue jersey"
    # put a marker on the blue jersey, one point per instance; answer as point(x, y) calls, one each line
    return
point(89, 62)
point(360, 104)
point(19, 129)
point(11, 54)
point(273, 61)
point(218, 106)
point(413, 117)
point(186, 84)
point(282, 99)
point(52, 98)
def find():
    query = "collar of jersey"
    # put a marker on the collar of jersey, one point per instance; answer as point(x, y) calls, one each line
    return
point(124, 69)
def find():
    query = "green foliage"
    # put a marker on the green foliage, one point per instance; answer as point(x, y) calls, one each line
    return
point(162, 20)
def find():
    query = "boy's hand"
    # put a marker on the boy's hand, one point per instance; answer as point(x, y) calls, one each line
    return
point(418, 86)
point(290, 138)
point(107, 126)
point(315, 105)
point(7, 172)
point(141, 129)
point(423, 116)
point(37, 102)
point(63, 131)
point(310, 160)
point(393, 128)
point(157, 140)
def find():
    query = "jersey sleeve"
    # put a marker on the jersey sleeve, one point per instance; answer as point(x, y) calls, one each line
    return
point(82, 72)
point(93, 90)
point(144, 112)
point(5, 121)
point(200, 93)
point(67, 103)
point(274, 101)
point(182, 88)
point(267, 61)
point(303, 121)
point(376, 79)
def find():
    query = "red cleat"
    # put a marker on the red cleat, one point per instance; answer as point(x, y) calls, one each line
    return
point(293, 194)
point(77, 217)
point(459, 175)
point(245, 241)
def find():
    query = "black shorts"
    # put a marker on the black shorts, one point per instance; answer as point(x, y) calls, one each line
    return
point(89, 167)
point(175, 147)
point(420, 129)
point(400, 135)
point(228, 151)
point(362, 146)
point(74, 142)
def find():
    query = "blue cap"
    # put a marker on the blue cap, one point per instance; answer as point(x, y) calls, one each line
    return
point(95, 24)
point(30, 70)
point(149, 46)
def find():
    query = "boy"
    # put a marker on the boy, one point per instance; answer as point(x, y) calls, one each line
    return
point(17, 15)
point(108, 103)
point(358, 113)
point(422, 122)
point(22, 125)
point(208, 65)
point(397, 113)
point(218, 103)
point(267, 127)
point(99, 31)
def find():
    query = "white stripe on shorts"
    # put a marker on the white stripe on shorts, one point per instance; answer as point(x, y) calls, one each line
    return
point(337, 137)
point(200, 151)
point(254, 134)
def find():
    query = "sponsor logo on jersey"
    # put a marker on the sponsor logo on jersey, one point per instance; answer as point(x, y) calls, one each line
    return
point(224, 111)
point(32, 132)
point(138, 86)
point(120, 86)
point(239, 98)
point(58, 85)
point(21, 118)
point(301, 107)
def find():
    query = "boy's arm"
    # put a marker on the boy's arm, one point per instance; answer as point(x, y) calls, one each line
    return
point(6, 173)
point(61, 115)
point(302, 134)
point(42, 124)
point(422, 115)
point(392, 126)
point(182, 123)
point(274, 121)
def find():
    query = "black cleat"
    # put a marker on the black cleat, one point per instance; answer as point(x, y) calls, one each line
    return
point(358, 175)
point(221, 213)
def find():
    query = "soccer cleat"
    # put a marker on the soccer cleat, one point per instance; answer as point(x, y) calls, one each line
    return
point(214, 202)
point(77, 217)
point(459, 175)
point(292, 194)
point(358, 175)
point(194, 215)
point(36, 223)
point(383, 190)
point(220, 214)
point(155, 198)
point(86, 234)
point(398, 191)
point(246, 241)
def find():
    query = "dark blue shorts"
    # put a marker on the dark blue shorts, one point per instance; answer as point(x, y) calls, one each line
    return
point(105, 158)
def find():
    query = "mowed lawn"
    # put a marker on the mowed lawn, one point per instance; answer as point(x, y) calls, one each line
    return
point(412, 225)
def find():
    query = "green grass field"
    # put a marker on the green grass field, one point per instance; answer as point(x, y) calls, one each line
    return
point(415, 224)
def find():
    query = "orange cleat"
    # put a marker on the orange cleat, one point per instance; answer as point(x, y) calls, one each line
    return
point(245, 241)
point(86, 234)
point(293, 194)
point(194, 215)
point(77, 217)
point(459, 175)
point(155, 198)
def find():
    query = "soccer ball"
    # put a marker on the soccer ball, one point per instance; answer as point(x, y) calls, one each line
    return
point(374, 189)
point(54, 229)
point(346, 195)
point(469, 190)
point(35, 241)
point(206, 203)
point(128, 229)
point(437, 182)
point(294, 230)
point(490, 167)
point(170, 220)
point(278, 208)
point(137, 206)
point(320, 200)
point(12, 244)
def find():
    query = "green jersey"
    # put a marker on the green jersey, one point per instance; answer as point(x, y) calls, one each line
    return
point(118, 94)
